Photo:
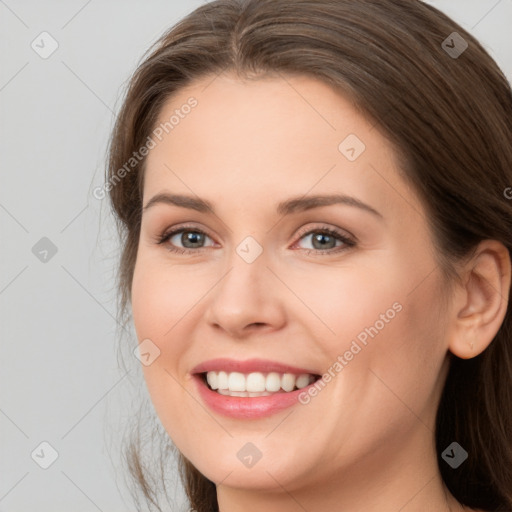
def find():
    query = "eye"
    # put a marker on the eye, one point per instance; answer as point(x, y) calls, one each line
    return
point(191, 239)
point(326, 240)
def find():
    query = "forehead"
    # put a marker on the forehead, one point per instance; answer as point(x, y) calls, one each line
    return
point(263, 136)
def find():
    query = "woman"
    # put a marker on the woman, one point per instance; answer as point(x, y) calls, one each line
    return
point(312, 199)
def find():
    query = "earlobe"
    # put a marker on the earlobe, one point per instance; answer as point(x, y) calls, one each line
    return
point(480, 305)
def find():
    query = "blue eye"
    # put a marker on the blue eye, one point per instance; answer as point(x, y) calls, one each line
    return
point(324, 240)
point(189, 237)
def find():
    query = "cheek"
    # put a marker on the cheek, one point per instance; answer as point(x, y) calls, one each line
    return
point(384, 321)
point(406, 354)
point(157, 310)
point(143, 293)
point(162, 295)
point(355, 302)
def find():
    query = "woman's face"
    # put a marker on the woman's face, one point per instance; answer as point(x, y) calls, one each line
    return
point(257, 292)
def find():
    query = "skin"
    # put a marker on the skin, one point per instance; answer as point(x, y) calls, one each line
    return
point(366, 441)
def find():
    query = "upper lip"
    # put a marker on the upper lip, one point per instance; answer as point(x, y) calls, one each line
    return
point(248, 366)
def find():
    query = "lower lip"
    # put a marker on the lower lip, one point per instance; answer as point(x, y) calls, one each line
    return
point(247, 407)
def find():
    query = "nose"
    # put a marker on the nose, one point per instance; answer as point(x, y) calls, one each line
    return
point(247, 300)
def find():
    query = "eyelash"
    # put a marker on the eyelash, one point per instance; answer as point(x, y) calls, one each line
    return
point(348, 243)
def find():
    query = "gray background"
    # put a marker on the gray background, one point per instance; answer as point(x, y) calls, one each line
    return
point(60, 378)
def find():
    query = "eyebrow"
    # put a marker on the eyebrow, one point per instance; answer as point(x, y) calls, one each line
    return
point(293, 205)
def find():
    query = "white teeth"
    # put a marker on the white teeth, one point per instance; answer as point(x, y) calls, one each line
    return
point(226, 392)
point(273, 382)
point(288, 382)
point(236, 381)
point(222, 381)
point(302, 381)
point(256, 383)
point(213, 379)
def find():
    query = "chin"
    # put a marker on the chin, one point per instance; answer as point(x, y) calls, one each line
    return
point(241, 465)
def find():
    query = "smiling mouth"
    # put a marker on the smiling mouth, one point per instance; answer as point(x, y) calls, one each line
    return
point(256, 384)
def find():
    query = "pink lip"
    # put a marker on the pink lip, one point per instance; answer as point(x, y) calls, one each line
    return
point(247, 407)
point(248, 366)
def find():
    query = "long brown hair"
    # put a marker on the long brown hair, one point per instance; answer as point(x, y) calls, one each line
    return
point(449, 117)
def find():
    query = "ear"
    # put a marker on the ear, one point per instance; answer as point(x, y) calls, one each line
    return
point(480, 304)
